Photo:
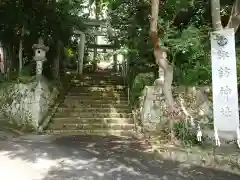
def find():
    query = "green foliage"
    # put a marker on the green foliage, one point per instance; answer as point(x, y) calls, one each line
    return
point(2, 78)
point(131, 23)
point(188, 46)
point(27, 21)
point(40, 18)
point(140, 81)
point(238, 64)
point(28, 70)
point(69, 52)
point(191, 54)
point(183, 133)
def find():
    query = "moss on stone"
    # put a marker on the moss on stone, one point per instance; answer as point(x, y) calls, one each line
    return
point(14, 93)
point(140, 81)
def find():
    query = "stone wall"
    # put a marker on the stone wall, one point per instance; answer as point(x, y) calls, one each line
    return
point(193, 105)
point(27, 104)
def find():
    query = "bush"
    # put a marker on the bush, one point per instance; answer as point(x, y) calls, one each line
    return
point(184, 134)
point(141, 80)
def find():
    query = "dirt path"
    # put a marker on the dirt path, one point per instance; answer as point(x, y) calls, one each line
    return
point(94, 158)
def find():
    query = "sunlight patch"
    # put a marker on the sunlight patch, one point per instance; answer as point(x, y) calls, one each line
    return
point(77, 162)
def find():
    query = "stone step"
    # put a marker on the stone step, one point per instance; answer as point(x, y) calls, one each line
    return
point(101, 86)
point(105, 103)
point(97, 94)
point(96, 91)
point(94, 110)
point(96, 83)
point(93, 98)
point(101, 76)
point(92, 115)
point(96, 106)
point(97, 101)
point(91, 74)
point(94, 80)
point(98, 132)
point(98, 76)
point(90, 120)
point(97, 79)
point(88, 126)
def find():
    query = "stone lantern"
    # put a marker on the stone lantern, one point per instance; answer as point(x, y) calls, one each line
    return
point(40, 56)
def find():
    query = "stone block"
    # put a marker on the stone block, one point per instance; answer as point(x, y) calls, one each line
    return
point(27, 103)
point(193, 104)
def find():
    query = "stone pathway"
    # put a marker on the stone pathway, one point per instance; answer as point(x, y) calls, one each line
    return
point(95, 104)
point(94, 158)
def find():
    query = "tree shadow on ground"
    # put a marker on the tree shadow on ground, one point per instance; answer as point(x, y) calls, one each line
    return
point(106, 158)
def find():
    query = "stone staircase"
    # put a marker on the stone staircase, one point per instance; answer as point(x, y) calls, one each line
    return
point(97, 105)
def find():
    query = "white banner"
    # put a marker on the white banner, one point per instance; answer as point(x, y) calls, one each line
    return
point(224, 82)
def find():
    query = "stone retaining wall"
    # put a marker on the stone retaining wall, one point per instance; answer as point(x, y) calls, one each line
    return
point(27, 103)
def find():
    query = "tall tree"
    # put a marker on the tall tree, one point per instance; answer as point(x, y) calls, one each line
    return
point(22, 22)
point(160, 55)
point(234, 19)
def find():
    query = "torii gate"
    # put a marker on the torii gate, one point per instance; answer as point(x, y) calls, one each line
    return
point(82, 40)
point(81, 46)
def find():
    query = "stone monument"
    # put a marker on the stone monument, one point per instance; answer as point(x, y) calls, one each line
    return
point(152, 103)
point(224, 83)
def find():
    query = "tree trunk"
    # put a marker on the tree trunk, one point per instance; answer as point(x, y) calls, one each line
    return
point(161, 57)
point(9, 59)
point(20, 52)
point(216, 18)
point(162, 61)
point(154, 18)
point(56, 61)
point(234, 20)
